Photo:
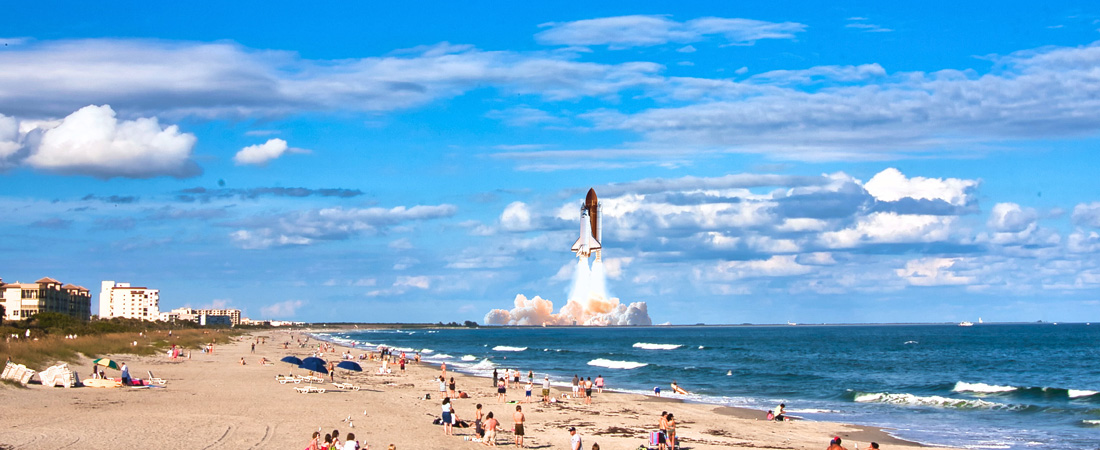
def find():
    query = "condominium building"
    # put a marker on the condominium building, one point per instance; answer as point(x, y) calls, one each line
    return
point(203, 316)
point(24, 300)
point(131, 302)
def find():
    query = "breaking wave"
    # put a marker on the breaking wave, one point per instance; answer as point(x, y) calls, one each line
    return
point(469, 358)
point(611, 364)
point(505, 348)
point(982, 388)
point(647, 346)
point(932, 400)
point(1078, 393)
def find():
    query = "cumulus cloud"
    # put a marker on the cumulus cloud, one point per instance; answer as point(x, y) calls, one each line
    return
point(891, 185)
point(1087, 214)
point(261, 154)
point(932, 272)
point(1011, 218)
point(329, 224)
point(516, 217)
point(285, 309)
point(642, 30)
point(92, 141)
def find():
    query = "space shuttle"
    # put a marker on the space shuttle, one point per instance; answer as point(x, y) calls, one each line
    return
point(591, 230)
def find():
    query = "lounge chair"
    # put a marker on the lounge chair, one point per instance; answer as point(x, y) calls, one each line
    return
point(154, 379)
point(284, 379)
point(309, 390)
point(347, 386)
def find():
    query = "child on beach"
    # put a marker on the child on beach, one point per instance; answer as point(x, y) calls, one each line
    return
point(527, 399)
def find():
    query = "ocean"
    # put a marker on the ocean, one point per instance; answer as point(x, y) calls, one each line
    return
point(992, 386)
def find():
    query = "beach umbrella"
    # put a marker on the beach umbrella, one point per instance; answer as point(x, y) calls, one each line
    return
point(107, 362)
point(292, 360)
point(313, 364)
point(350, 365)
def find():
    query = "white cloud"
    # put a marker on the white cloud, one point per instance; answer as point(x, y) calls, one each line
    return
point(516, 217)
point(285, 309)
point(890, 228)
point(776, 266)
point(686, 49)
point(1087, 214)
point(9, 138)
point(641, 31)
point(891, 185)
point(932, 272)
point(330, 224)
point(92, 141)
point(261, 154)
point(1011, 218)
point(418, 282)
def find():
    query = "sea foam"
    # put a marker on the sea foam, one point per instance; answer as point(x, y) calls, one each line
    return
point(505, 348)
point(933, 400)
point(647, 346)
point(611, 364)
point(1078, 393)
point(982, 388)
point(469, 358)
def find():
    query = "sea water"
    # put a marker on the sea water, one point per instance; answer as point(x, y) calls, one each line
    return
point(997, 386)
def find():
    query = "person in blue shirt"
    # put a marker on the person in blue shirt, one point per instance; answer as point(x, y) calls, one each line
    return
point(126, 374)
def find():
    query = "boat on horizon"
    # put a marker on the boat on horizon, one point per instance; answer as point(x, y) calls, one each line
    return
point(966, 324)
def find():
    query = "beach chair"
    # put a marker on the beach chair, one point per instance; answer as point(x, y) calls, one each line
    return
point(309, 390)
point(284, 379)
point(156, 380)
point(347, 386)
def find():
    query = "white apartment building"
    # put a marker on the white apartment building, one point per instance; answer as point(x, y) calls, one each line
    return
point(131, 302)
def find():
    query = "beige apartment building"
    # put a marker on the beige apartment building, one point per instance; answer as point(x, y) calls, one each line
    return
point(23, 300)
point(131, 302)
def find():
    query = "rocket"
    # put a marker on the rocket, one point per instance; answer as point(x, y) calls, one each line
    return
point(591, 229)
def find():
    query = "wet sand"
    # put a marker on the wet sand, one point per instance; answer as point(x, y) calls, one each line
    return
point(211, 401)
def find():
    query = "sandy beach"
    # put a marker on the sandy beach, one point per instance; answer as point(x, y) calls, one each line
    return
point(212, 401)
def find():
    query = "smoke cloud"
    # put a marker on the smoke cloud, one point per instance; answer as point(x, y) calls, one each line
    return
point(588, 304)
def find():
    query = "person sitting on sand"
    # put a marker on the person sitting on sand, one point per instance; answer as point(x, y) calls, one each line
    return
point(770, 415)
point(313, 444)
point(835, 444)
point(873, 446)
point(491, 426)
point(335, 445)
point(781, 412)
point(242, 361)
point(351, 443)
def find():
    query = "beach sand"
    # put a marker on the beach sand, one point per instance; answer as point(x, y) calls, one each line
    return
point(211, 401)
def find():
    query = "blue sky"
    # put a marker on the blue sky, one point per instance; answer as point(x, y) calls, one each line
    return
point(769, 162)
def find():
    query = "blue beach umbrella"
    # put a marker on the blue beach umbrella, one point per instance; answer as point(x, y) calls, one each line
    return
point(350, 365)
point(292, 360)
point(313, 365)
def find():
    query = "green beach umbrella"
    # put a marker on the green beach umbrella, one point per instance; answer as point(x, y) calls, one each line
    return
point(107, 362)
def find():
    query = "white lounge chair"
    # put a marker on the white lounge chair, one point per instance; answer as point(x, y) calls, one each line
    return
point(157, 380)
point(309, 390)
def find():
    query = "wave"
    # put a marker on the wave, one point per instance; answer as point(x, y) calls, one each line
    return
point(427, 350)
point(1091, 422)
point(505, 348)
point(469, 358)
point(1078, 393)
point(981, 388)
point(933, 400)
point(484, 364)
point(647, 346)
point(610, 364)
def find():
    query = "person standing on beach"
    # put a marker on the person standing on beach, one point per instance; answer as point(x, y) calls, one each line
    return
point(599, 384)
point(126, 375)
point(518, 430)
point(442, 386)
point(331, 371)
point(451, 388)
point(671, 431)
point(530, 386)
point(253, 347)
point(496, 377)
point(479, 427)
point(588, 391)
point(502, 389)
point(546, 389)
point(576, 385)
point(515, 379)
point(574, 439)
point(443, 367)
point(662, 431)
point(448, 411)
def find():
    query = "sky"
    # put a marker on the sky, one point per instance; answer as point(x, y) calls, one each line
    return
point(841, 162)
